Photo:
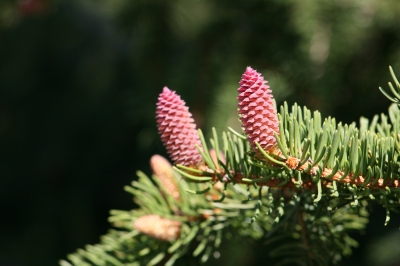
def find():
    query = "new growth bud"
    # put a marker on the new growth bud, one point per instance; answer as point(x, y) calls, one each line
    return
point(257, 111)
point(177, 129)
point(158, 227)
point(163, 171)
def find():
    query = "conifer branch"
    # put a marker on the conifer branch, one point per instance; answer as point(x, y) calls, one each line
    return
point(293, 180)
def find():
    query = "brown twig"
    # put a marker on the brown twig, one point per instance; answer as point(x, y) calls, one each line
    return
point(293, 163)
point(349, 179)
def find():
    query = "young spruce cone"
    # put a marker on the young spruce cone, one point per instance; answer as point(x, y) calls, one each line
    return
point(177, 129)
point(256, 110)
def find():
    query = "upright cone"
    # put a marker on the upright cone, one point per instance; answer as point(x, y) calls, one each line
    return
point(257, 111)
point(177, 129)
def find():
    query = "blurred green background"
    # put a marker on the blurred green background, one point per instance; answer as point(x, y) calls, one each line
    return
point(79, 81)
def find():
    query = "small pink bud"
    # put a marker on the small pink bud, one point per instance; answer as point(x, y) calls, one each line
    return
point(158, 227)
point(256, 110)
point(177, 129)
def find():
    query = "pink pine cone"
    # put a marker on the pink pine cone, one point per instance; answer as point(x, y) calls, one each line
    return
point(256, 110)
point(177, 129)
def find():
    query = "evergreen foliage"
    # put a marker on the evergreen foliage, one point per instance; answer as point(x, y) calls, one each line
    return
point(76, 81)
point(302, 198)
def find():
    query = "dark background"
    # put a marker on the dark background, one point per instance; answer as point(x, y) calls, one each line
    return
point(79, 81)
